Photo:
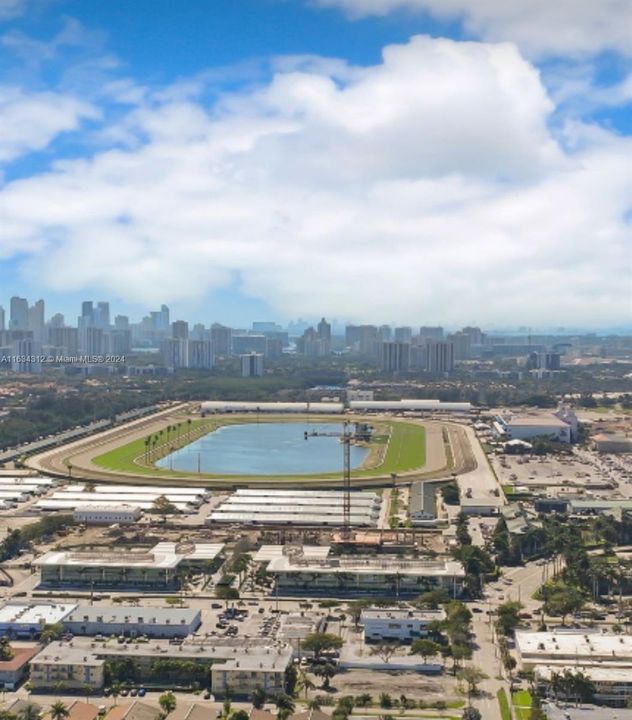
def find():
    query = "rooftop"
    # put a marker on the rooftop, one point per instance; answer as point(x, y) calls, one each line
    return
point(590, 647)
point(34, 614)
point(146, 615)
point(397, 614)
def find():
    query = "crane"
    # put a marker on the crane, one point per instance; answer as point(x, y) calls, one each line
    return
point(346, 436)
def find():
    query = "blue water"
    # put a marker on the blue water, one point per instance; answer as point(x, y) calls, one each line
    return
point(265, 449)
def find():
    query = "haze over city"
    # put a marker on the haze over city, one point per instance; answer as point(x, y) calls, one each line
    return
point(371, 160)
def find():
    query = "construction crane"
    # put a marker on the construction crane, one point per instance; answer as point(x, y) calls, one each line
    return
point(346, 436)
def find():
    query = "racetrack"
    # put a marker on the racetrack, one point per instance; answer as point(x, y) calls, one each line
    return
point(79, 456)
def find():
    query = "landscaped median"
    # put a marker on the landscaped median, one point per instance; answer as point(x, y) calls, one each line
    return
point(505, 710)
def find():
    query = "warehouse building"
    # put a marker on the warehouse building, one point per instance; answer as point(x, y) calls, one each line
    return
point(132, 622)
point(404, 626)
point(123, 569)
point(297, 573)
point(320, 408)
point(235, 665)
point(27, 620)
point(287, 507)
point(108, 515)
point(527, 427)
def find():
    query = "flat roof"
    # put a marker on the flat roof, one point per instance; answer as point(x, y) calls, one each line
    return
point(140, 615)
point(34, 613)
point(595, 673)
point(97, 507)
point(269, 552)
point(586, 645)
point(367, 565)
point(245, 654)
point(398, 614)
point(533, 421)
point(112, 558)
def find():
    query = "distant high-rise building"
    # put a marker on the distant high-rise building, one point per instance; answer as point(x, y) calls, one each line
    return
point(362, 339)
point(384, 333)
point(200, 354)
point(2, 319)
point(180, 330)
point(119, 341)
point(251, 365)
point(431, 333)
point(19, 314)
point(403, 334)
point(102, 315)
point(87, 312)
point(25, 356)
point(175, 352)
point(249, 343)
point(94, 341)
point(57, 321)
point(65, 340)
point(395, 356)
point(36, 321)
point(164, 318)
point(221, 337)
point(439, 357)
point(121, 322)
point(477, 336)
point(462, 343)
point(324, 330)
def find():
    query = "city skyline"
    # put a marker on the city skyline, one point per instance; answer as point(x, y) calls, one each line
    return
point(286, 158)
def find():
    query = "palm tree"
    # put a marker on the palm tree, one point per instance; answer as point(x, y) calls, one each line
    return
point(167, 702)
point(285, 705)
point(59, 710)
point(29, 712)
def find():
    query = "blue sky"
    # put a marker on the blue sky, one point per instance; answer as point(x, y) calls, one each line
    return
point(244, 159)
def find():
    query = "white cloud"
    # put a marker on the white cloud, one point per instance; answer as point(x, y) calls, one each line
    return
point(538, 26)
point(30, 120)
point(12, 8)
point(427, 186)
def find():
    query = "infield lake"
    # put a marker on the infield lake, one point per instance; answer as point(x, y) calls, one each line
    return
point(268, 448)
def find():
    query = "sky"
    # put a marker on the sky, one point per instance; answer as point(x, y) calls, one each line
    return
point(389, 161)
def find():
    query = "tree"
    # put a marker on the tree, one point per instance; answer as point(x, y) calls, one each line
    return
point(239, 715)
point(385, 650)
point(325, 671)
point(29, 712)
point(285, 705)
point(472, 676)
point(355, 609)
point(425, 647)
point(320, 642)
point(363, 700)
point(6, 651)
point(258, 697)
point(563, 600)
point(508, 617)
point(167, 702)
point(162, 506)
point(223, 592)
point(59, 710)
point(471, 713)
point(386, 701)
point(433, 598)
point(462, 532)
point(51, 633)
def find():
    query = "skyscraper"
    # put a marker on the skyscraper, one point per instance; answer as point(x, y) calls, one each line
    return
point(2, 319)
point(102, 315)
point(19, 319)
point(439, 357)
point(403, 334)
point(221, 337)
point(36, 320)
point(252, 365)
point(395, 356)
point(180, 329)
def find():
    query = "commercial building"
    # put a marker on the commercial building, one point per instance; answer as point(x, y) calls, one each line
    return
point(223, 406)
point(603, 657)
point(27, 620)
point(422, 503)
point(123, 569)
point(612, 443)
point(397, 625)
point(131, 622)
point(297, 573)
point(108, 515)
point(237, 665)
point(525, 427)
